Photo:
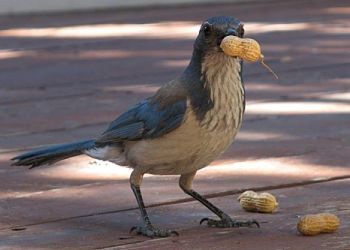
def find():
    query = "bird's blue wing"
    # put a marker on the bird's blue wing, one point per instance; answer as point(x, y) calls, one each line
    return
point(148, 119)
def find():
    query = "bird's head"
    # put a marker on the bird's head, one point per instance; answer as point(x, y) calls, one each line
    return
point(210, 70)
point(213, 31)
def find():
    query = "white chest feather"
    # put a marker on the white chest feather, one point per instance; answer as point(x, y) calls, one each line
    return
point(226, 93)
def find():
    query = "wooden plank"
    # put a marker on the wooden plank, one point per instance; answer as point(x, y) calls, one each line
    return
point(278, 230)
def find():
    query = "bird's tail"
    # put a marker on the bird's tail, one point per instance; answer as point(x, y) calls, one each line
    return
point(50, 155)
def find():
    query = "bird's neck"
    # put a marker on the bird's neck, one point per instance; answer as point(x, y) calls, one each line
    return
point(215, 84)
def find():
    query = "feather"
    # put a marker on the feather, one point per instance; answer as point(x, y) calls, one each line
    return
point(151, 118)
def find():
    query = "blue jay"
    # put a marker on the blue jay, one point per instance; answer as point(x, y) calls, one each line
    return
point(182, 128)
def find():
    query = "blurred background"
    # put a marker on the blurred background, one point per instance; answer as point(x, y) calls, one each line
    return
point(68, 68)
point(42, 6)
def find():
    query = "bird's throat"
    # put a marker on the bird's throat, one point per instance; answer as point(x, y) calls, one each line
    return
point(221, 75)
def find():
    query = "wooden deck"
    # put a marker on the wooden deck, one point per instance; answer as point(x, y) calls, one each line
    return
point(65, 76)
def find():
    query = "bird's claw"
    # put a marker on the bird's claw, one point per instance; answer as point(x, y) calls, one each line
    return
point(153, 232)
point(226, 223)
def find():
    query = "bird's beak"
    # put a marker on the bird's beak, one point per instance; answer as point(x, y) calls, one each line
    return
point(229, 32)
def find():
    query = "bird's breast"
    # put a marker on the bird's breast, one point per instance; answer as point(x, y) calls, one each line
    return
point(188, 148)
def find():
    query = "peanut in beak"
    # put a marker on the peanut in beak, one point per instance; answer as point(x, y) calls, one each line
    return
point(246, 48)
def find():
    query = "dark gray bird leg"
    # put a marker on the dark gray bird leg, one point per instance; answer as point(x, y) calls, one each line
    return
point(225, 220)
point(147, 229)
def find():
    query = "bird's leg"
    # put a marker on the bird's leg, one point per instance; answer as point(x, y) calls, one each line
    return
point(147, 229)
point(225, 220)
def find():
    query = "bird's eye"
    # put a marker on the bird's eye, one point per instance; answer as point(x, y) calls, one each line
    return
point(206, 29)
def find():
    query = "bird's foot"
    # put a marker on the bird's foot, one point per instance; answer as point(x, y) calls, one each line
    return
point(152, 232)
point(227, 222)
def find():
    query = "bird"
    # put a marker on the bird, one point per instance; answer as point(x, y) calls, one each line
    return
point(180, 129)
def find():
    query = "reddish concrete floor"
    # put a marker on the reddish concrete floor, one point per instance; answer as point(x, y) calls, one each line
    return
point(65, 76)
